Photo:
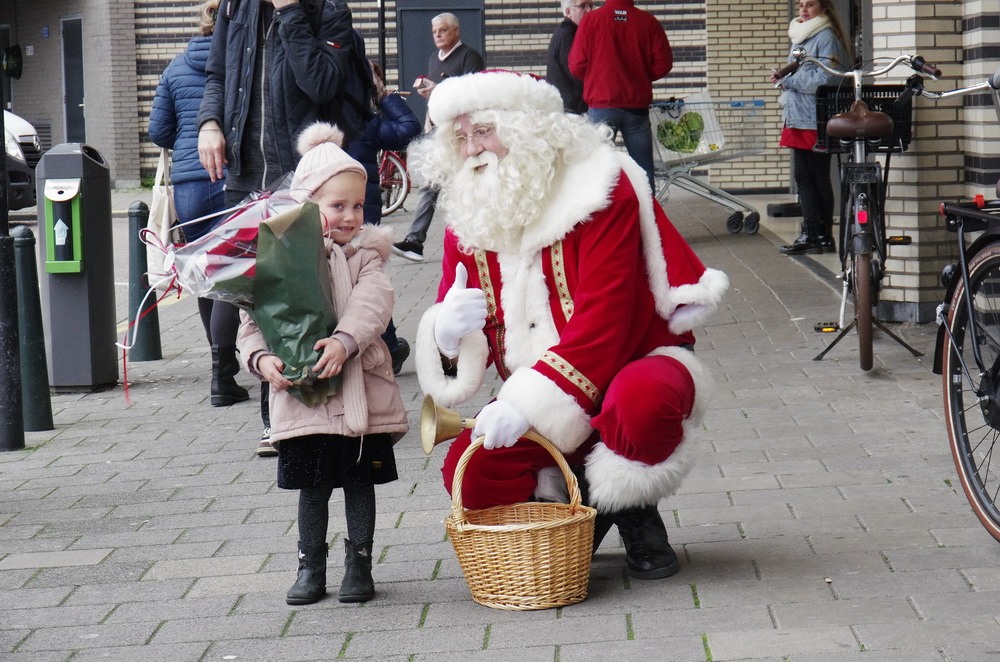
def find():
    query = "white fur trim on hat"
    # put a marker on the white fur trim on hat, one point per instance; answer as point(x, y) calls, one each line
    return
point(491, 90)
point(322, 158)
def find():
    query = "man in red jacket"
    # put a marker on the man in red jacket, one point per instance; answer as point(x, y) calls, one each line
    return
point(618, 52)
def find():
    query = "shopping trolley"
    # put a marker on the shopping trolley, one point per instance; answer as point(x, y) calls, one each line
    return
point(698, 131)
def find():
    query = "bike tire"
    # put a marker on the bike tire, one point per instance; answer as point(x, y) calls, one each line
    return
point(394, 181)
point(862, 275)
point(973, 439)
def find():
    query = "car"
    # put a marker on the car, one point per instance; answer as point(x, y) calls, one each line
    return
point(23, 152)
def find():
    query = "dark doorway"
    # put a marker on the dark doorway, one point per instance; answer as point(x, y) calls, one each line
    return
point(73, 98)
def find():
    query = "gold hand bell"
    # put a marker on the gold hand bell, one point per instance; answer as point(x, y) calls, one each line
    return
point(439, 424)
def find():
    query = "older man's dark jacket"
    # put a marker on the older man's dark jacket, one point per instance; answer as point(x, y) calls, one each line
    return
point(304, 71)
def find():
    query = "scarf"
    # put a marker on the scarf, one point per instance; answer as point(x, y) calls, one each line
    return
point(799, 31)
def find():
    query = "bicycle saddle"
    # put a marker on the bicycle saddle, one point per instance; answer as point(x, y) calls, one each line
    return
point(859, 122)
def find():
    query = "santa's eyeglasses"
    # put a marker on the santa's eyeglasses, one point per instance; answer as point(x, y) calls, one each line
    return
point(479, 136)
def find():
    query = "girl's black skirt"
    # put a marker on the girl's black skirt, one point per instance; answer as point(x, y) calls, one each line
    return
point(333, 460)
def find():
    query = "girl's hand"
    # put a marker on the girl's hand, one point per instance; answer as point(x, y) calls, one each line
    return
point(333, 357)
point(270, 366)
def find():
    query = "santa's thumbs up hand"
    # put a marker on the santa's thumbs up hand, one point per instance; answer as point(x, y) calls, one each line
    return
point(463, 310)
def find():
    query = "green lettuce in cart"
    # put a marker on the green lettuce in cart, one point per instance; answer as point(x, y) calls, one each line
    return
point(682, 135)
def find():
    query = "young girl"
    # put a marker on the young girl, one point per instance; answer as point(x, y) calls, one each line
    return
point(346, 442)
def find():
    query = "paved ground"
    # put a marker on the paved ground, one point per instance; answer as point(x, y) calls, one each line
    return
point(821, 524)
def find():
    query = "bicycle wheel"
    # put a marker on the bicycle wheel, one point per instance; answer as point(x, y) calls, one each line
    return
point(394, 181)
point(862, 276)
point(970, 395)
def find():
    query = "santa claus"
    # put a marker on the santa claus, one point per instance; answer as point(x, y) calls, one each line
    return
point(562, 271)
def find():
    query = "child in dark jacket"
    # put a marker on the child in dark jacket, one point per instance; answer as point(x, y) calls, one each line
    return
point(392, 127)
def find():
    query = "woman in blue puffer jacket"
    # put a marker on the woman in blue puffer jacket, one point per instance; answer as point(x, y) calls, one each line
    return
point(173, 124)
point(393, 127)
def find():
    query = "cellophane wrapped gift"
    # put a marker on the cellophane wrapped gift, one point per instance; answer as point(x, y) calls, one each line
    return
point(268, 258)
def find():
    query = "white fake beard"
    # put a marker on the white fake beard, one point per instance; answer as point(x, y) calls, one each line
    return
point(490, 208)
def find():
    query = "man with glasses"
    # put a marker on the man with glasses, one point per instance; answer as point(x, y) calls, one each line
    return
point(557, 64)
point(452, 58)
point(618, 52)
point(563, 272)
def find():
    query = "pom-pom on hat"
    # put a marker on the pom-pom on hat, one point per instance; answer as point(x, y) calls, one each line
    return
point(322, 158)
point(491, 90)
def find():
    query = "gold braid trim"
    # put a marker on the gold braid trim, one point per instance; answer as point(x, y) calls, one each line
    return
point(483, 267)
point(560, 365)
point(562, 286)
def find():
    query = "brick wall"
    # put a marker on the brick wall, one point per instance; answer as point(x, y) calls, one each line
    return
point(932, 169)
point(745, 40)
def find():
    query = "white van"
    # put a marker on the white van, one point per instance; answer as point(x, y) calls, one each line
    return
point(23, 152)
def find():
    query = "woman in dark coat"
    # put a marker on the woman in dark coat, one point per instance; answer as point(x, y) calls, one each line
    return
point(173, 124)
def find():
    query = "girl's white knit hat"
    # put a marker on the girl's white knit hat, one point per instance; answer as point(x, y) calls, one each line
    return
point(322, 158)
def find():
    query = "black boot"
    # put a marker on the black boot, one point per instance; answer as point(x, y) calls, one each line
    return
point(648, 554)
point(358, 585)
point(310, 585)
point(225, 390)
point(806, 244)
point(827, 243)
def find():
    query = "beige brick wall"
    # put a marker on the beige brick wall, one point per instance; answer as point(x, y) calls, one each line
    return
point(932, 169)
point(745, 40)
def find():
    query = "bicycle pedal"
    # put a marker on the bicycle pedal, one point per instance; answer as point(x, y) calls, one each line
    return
point(899, 240)
point(826, 327)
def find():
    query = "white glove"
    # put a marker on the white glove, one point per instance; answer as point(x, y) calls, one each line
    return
point(462, 311)
point(502, 424)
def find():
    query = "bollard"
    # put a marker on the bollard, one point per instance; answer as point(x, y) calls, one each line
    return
point(11, 422)
point(147, 335)
point(37, 405)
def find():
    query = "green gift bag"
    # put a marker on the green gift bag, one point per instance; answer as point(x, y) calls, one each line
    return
point(293, 302)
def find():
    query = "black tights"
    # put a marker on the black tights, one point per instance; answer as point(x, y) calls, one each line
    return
point(221, 321)
point(314, 514)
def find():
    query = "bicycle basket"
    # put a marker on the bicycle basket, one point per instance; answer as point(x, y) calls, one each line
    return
point(833, 99)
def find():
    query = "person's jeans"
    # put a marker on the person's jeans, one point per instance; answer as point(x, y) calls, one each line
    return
point(195, 199)
point(423, 217)
point(633, 123)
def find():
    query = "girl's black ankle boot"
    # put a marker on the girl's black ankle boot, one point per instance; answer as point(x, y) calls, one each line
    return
point(358, 585)
point(310, 585)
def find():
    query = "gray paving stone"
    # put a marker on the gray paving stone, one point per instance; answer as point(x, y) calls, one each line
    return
point(967, 629)
point(54, 559)
point(740, 644)
point(147, 653)
point(90, 636)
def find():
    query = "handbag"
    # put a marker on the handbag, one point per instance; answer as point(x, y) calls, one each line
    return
point(162, 229)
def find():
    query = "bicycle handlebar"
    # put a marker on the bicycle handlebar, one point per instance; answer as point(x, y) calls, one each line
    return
point(915, 62)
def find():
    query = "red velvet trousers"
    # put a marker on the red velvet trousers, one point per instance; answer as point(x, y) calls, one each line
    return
point(641, 419)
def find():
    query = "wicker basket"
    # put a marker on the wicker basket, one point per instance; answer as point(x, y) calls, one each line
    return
point(525, 555)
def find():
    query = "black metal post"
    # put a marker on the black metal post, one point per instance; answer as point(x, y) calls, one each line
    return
point(37, 405)
point(381, 38)
point(11, 419)
point(147, 322)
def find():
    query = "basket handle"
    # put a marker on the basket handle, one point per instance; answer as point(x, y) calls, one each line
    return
point(458, 510)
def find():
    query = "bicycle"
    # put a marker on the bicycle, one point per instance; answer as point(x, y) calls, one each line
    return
point(864, 185)
point(967, 354)
point(394, 180)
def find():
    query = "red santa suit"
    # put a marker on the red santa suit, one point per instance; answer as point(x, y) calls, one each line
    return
point(590, 325)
